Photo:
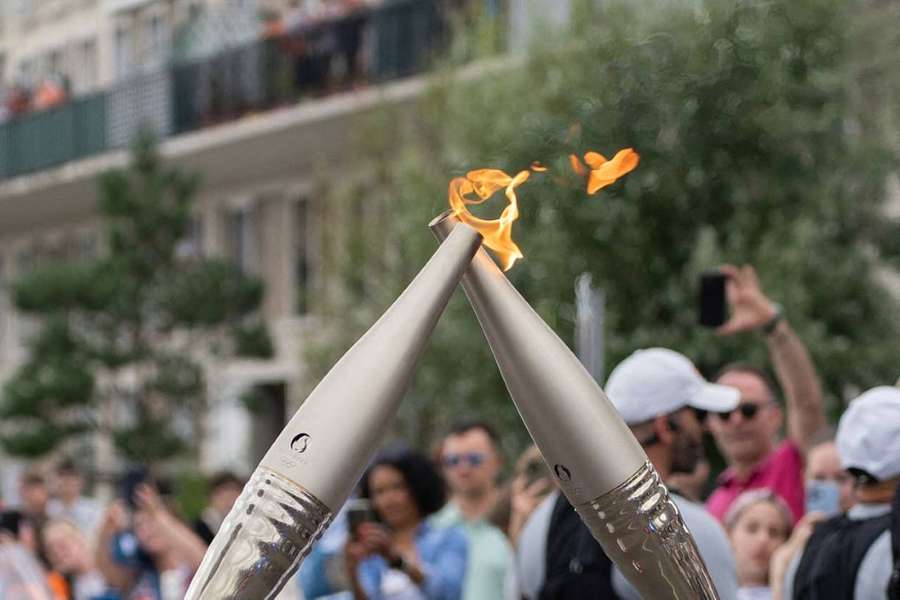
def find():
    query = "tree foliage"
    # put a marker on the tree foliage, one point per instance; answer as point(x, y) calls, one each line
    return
point(766, 137)
point(122, 336)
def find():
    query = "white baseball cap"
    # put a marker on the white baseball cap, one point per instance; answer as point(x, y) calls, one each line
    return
point(868, 436)
point(657, 381)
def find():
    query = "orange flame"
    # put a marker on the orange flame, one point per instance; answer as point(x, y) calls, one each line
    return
point(497, 233)
point(483, 183)
point(603, 171)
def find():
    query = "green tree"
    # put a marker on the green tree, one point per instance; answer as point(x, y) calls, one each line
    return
point(122, 337)
point(766, 134)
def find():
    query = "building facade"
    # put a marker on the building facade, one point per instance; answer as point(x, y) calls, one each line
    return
point(258, 162)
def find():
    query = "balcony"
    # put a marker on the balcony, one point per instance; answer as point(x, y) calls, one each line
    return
point(266, 74)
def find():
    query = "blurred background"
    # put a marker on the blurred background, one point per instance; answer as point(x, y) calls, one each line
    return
point(203, 203)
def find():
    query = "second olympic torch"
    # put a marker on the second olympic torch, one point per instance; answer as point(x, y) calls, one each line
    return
point(313, 465)
point(595, 459)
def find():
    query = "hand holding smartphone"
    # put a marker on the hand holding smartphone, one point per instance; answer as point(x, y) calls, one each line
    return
point(359, 511)
point(712, 303)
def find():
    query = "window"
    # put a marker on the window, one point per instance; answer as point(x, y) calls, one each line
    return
point(87, 77)
point(23, 8)
point(24, 262)
point(4, 307)
point(191, 245)
point(27, 75)
point(301, 255)
point(55, 66)
point(89, 245)
point(158, 41)
point(123, 53)
point(242, 242)
point(195, 10)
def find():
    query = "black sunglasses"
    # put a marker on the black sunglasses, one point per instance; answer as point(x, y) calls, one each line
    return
point(747, 410)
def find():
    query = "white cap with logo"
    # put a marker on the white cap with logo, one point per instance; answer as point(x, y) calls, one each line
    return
point(868, 436)
point(657, 381)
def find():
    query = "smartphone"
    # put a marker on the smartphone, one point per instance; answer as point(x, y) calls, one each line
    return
point(130, 482)
point(10, 522)
point(824, 497)
point(711, 302)
point(359, 511)
point(536, 469)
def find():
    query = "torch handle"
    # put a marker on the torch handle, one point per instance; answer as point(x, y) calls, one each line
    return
point(668, 559)
point(271, 528)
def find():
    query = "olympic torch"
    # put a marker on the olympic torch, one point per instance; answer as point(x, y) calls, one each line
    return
point(591, 452)
point(310, 470)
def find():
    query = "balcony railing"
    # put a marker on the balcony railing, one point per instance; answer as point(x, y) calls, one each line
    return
point(404, 37)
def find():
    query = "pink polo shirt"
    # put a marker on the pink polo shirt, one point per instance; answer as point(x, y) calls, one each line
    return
point(781, 472)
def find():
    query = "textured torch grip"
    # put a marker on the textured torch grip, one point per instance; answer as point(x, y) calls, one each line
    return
point(262, 542)
point(641, 529)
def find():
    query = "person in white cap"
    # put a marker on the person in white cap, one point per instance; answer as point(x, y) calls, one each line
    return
point(849, 556)
point(663, 398)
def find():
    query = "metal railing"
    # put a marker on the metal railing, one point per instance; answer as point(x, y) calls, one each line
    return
point(402, 38)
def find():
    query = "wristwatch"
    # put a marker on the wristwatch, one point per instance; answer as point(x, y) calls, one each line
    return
point(769, 327)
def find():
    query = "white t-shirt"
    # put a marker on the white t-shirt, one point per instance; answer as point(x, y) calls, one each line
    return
point(88, 586)
point(755, 593)
point(396, 585)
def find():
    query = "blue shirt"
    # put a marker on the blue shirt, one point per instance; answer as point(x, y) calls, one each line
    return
point(443, 554)
point(320, 573)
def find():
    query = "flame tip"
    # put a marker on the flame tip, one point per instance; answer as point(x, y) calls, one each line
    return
point(479, 185)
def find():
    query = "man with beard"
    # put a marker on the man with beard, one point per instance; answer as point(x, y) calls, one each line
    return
point(664, 399)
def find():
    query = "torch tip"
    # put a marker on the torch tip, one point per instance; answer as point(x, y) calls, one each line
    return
point(435, 222)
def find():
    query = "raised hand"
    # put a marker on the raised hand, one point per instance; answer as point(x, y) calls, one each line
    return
point(750, 308)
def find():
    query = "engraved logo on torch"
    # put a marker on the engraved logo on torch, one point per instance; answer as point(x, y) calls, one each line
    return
point(562, 473)
point(300, 442)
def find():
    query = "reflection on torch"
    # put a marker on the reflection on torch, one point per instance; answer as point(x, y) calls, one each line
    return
point(595, 459)
point(312, 467)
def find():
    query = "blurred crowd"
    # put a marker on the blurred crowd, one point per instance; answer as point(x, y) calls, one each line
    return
point(323, 39)
point(58, 544)
point(21, 99)
point(800, 511)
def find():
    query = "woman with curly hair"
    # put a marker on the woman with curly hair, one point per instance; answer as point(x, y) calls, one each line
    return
point(403, 557)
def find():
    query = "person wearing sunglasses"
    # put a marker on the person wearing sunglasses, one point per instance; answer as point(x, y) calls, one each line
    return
point(471, 461)
point(748, 435)
point(662, 397)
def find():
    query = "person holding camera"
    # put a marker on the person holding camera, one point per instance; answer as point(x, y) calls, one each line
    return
point(21, 575)
point(746, 436)
point(148, 553)
point(398, 554)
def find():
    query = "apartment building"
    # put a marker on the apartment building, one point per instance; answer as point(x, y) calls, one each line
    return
point(230, 100)
point(258, 163)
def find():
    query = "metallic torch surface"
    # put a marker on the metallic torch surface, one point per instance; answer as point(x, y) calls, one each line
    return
point(312, 467)
point(594, 457)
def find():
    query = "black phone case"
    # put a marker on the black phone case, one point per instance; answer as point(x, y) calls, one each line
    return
point(712, 299)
